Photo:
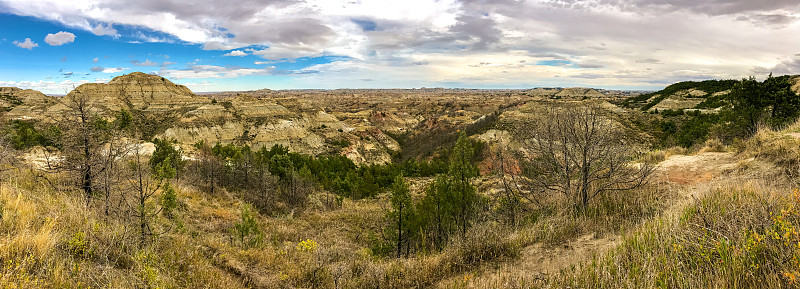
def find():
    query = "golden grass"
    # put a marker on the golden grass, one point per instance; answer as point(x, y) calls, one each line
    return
point(56, 241)
point(50, 239)
point(778, 147)
point(660, 155)
point(721, 241)
point(713, 145)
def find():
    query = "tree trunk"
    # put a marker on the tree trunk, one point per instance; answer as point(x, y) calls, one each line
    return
point(399, 230)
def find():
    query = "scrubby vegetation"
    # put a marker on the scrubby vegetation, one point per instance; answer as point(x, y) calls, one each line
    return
point(115, 204)
point(651, 99)
point(742, 237)
point(747, 104)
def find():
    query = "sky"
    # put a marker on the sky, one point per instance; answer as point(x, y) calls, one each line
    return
point(211, 45)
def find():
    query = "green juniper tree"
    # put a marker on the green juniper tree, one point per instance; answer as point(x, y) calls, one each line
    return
point(450, 200)
point(402, 215)
point(247, 230)
point(461, 173)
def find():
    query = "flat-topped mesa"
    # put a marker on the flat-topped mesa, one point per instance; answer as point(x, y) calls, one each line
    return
point(138, 90)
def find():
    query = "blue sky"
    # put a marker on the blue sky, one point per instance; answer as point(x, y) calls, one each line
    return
point(284, 44)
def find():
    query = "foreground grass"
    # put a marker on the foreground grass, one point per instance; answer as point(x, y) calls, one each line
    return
point(741, 236)
point(50, 238)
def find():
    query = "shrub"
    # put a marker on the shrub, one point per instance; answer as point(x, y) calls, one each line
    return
point(247, 231)
point(78, 246)
point(169, 201)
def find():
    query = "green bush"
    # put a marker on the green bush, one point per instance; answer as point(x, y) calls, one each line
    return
point(247, 231)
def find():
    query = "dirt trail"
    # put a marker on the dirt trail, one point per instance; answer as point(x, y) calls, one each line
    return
point(688, 176)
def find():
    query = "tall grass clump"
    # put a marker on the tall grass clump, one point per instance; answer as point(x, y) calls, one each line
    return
point(731, 238)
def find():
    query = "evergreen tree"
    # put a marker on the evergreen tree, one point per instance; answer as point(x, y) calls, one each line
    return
point(165, 150)
point(461, 172)
point(450, 200)
point(402, 215)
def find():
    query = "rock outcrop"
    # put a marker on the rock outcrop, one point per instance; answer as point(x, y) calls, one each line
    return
point(568, 93)
point(24, 104)
point(139, 91)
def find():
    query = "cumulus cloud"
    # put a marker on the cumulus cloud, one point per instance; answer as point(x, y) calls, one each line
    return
point(589, 65)
point(95, 60)
point(235, 53)
point(27, 44)
point(278, 53)
point(97, 69)
point(425, 42)
point(47, 86)
point(101, 30)
point(146, 62)
point(787, 65)
point(649, 61)
point(213, 71)
point(114, 69)
point(60, 38)
point(708, 7)
point(218, 45)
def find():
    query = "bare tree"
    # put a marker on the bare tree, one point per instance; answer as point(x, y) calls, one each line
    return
point(513, 200)
point(113, 152)
point(83, 141)
point(145, 183)
point(580, 152)
point(208, 166)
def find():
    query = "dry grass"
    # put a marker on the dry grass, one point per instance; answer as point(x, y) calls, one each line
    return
point(50, 239)
point(734, 237)
point(658, 156)
point(779, 147)
point(741, 234)
point(713, 145)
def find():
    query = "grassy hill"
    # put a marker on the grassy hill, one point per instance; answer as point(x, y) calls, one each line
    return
point(702, 90)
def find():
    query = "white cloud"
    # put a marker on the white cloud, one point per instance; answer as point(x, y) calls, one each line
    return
point(235, 53)
point(27, 44)
point(101, 30)
point(219, 45)
point(60, 38)
point(95, 60)
point(213, 71)
point(146, 62)
point(430, 42)
point(279, 52)
point(48, 86)
point(114, 69)
point(97, 69)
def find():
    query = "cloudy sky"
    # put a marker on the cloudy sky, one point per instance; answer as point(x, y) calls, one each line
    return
point(212, 45)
